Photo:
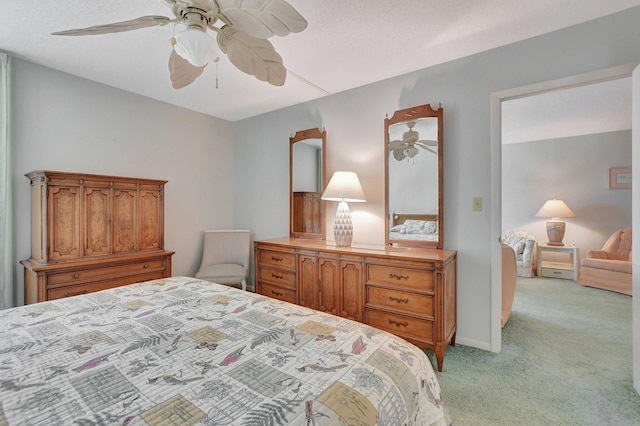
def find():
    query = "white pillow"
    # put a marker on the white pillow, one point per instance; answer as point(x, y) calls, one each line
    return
point(400, 229)
point(515, 240)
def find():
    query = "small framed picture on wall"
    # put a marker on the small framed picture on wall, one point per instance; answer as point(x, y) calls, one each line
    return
point(620, 178)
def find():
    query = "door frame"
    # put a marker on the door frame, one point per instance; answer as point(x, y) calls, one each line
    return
point(496, 98)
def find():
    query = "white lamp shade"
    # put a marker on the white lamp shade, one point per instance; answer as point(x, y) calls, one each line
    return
point(344, 186)
point(555, 209)
point(196, 46)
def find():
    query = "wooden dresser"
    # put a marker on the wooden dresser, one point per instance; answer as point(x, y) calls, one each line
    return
point(91, 232)
point(410, 292)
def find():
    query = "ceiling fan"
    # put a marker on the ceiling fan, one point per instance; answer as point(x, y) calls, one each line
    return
point(242, 28)
point(406, 148)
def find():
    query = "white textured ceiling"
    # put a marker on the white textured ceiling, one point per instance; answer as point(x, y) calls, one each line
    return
point(582, 110)
point(348, 43)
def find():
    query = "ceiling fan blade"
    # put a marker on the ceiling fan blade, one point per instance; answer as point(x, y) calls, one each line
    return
point(260, 18)
point(117, 27)
point(182, 73)
point(426, 148)
point(428, 142)
point(253, 56)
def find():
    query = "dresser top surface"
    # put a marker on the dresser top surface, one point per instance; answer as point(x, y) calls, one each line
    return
point(437, 255)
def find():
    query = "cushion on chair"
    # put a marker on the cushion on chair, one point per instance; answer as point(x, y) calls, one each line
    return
point(223, 273)
point(516, 240)
point(608, 264)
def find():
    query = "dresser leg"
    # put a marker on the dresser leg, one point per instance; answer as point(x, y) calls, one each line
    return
point(440, 356)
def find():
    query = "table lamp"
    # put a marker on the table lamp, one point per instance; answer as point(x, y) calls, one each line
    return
point(555, 209)
point(343, 187)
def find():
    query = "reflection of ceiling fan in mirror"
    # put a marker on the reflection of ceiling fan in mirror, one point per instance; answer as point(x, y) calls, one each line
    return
point(242, 29)
point(407, 147)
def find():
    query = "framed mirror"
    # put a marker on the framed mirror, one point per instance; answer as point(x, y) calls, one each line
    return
point(307, 181)
point(413, 177)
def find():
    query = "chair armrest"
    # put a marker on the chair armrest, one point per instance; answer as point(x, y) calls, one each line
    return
point(597, 254)
point(529, 250)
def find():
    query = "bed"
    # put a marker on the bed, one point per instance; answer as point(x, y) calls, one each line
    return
point(181, 351)
point(413, 227)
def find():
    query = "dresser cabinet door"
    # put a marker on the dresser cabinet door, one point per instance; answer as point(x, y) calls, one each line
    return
point(351, 289)
point(97, 215)
point(329, 286)
point(308, 280)
point(64, 217)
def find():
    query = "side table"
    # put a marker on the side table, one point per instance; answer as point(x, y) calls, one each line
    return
point(553, 269)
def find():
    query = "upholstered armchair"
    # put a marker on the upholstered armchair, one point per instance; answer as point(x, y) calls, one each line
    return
point(610, 267)
point(524, 246)
point(225, 257)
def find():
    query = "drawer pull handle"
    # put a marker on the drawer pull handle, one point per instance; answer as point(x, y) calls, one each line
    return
point(277, 293)
point(145, 266)
point(278, 277)
point(398, 324)
point(557, 272)
point(77, 293)
point(76, 275)
point(398, 277)
point(395, 299)
point(277, 259)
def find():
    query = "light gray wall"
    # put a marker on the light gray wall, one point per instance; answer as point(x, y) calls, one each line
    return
point(354, 123)
point(61, 122)
point(576, 170)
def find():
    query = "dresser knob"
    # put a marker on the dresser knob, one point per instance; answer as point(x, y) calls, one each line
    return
point(76, 275)
point(145, 266)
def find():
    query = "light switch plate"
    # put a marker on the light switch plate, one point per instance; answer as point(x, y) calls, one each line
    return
point(477, 204)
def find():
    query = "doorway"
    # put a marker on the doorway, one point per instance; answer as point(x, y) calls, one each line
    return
point(497, 99)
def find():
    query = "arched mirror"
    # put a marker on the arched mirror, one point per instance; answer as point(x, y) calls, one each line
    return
point(413, 172)
point(307, 181)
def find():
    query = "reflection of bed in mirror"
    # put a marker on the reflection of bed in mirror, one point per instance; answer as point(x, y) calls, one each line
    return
point(413, 227)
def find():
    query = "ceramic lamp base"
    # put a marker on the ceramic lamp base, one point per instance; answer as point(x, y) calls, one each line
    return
point(342, 228)
point(555, 233)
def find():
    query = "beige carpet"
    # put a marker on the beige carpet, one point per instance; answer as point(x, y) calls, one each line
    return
point(566, 360)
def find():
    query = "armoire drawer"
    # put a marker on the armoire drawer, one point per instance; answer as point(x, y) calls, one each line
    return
point(400, 300)
point(405, 278)
point(278, 258)
point(64, 278)
point(90, 287)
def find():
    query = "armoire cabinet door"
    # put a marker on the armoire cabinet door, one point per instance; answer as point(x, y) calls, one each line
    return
point(97, 211)
point(151, 220)
point(124, 220)
point(64, 222)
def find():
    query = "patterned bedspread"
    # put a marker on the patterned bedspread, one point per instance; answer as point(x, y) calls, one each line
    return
point(181, 351)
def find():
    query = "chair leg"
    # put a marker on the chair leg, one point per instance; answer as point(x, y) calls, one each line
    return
point(244, 284)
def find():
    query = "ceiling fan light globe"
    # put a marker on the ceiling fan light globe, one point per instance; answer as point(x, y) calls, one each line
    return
point(411, 151)
point(196, 46)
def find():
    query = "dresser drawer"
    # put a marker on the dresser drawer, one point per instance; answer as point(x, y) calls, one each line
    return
point(401, 325)
point(400, 277)
point(278, 258)
point(277, 276)
point(105, 272)
point(282, 293)
point(404, 301)
point(75, 290)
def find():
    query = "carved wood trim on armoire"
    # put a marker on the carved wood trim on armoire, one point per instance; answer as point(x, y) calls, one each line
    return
point(93, 232)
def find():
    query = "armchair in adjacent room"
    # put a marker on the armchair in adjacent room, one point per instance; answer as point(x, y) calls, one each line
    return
point(524, 246)
point(609, 268)
point(225, 257)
